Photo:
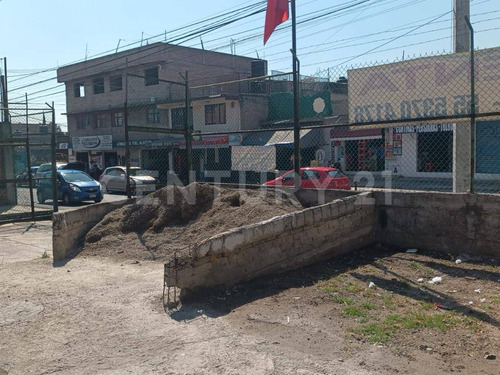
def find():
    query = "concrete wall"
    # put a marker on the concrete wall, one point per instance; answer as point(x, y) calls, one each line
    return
point(455, 223)
point(69, 227)
point(283, 243)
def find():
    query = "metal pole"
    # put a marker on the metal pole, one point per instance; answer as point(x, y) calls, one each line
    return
point(28, 162)
point(296, 104)
point(127, 150)
point(472, 108)
point(189, 130)
point(54, 165)
point(6, 91)
point(127, 139)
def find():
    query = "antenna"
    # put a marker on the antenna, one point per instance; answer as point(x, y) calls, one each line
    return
point(118, 46)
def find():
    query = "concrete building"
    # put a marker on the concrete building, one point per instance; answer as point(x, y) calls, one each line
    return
point(145, 78)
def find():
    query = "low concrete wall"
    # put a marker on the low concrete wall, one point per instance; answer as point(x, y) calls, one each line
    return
point(69, 227)
point(283, 243)
point(455, 223)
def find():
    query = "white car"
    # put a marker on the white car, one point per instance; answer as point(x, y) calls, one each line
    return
point(113, 179)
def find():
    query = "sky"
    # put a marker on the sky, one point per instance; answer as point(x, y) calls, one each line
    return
point(332, 35)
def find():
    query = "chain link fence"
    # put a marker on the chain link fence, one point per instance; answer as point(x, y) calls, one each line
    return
point(408, 125)
point(28, 152)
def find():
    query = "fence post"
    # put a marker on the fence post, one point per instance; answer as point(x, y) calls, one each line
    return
point(28, 161)
point(54, 165)
point(472, 109)
point(189, 130)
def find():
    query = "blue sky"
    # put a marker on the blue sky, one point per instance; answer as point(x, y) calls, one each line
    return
point(42, 35)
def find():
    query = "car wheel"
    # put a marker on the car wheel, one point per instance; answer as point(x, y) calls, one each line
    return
point(66, 199)
point(97, 200)
point(40, 197)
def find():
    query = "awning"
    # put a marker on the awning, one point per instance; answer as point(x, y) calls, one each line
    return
point(253, 158)
point(308, 138)
point(354, 135)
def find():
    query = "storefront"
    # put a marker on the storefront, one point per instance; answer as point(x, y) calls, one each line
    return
point(420, 150)
point(91, 150)
point(358, 150)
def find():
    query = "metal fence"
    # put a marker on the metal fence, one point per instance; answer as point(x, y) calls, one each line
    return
point(405, 125)
point(27, 148)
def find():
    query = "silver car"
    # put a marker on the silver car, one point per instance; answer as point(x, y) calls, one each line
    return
point(113, 179)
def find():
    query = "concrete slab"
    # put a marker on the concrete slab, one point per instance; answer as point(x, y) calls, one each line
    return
point(25, 241)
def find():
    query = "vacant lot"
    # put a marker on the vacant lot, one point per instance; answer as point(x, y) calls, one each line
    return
point(101, 315)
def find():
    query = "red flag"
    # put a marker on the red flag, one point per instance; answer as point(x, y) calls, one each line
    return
point(276, 13)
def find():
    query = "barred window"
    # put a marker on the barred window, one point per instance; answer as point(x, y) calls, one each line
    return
point(178, 118)
point(153, 116)
point(117, 119)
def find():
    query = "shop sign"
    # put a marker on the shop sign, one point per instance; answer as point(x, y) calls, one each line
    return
point(97, 142)
point(429, 128)
point(428, 87)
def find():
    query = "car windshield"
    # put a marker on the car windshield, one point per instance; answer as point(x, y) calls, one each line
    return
point(76, 177)
point(138, 172)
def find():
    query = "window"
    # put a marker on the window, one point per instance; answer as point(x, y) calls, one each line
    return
point(115, 83)
point(336, 173)
point(178, 118)
point(79, 89)
point(151, 76)
point(215, 114)
point(101, 120)
point(98, 84)
point(310, 175)
point(118, 119)
point(153, 115)
point(81, 122)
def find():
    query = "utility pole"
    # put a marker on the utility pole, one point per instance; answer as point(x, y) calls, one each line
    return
point(462, 134)
point(461, 34)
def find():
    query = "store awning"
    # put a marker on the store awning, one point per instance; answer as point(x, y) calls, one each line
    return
point(355, 135)
point(308, 138)
point(253, 158)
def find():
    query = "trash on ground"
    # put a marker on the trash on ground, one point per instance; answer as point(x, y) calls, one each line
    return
point(458, 261)
point(490, 356)
point(411, 251)
point(477, 290)
point(371, 285)
point(436, 280)
point(441, 306)
point(471, 303)
point(482, 300)
point(421, 280)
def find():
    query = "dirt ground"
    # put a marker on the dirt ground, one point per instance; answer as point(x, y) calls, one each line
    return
point(97, 315)
point(168, 221)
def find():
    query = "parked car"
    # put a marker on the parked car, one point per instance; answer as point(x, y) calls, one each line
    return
point(113, 179)
point(76, 165)
point(314, 178)
point(72, 186)
point(46, 168)
point(23, 177)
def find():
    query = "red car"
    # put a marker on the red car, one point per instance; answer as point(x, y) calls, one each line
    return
point(314, 178)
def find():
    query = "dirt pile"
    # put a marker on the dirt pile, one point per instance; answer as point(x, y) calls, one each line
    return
point(174, 219)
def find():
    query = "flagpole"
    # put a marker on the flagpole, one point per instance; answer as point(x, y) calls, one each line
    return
point(296, 104)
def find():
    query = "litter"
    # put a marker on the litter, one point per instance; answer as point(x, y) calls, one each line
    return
point(458, 261)
point(477, 290)
point(421, 280)
point(411, 251)
point(436, 280)
point(440, 306)
point(371, 285)
point(471, 303)
point(482, 300)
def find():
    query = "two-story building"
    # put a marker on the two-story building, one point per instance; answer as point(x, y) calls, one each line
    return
point(151, 80)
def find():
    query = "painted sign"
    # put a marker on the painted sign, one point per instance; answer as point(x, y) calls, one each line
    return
point(96, 142)
point(427, 87)
point(428, 128)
